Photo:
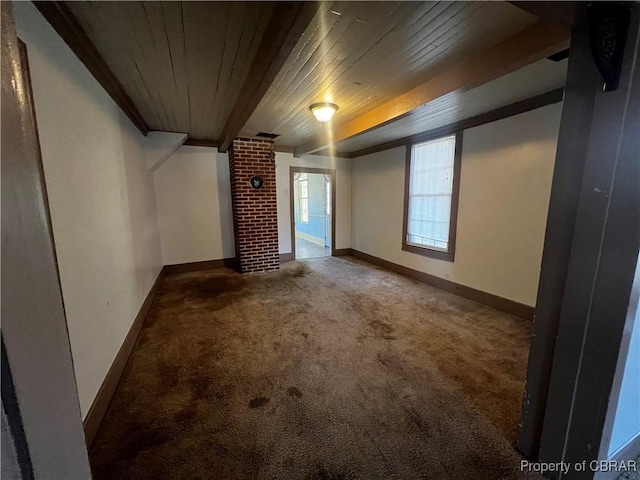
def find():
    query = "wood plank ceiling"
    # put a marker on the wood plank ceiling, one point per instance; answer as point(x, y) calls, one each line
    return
point(528, 82)
point(184, 64)
point(361, 54)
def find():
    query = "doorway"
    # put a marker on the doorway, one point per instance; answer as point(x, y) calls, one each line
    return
point(312, 212)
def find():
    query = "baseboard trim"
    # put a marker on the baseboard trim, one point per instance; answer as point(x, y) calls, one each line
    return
point(199, 266)
point(109, 385)
point(286, 257)
point(102, 401)
point(338, 252)
point(310, 238)
point(488, 299)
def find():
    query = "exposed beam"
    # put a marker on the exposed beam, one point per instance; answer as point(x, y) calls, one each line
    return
point(528, 46)
point(325, 153)
point(197, 142)
point(65, 24)
point(282, 149)
point(332, 153)
point(542, 100)
point(288, 22)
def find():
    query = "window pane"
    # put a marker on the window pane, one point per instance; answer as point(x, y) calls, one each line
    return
point(303, 198)
point(430, 190)
point(328, 195)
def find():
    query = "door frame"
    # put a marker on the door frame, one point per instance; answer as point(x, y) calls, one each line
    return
point(46, 442)
point(588, 264)
point(324, 171)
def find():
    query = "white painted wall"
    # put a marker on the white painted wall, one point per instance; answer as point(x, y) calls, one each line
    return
point(507, 168)
point(343, 196)
point(195, 215)
point(194, 203)
point(101, 199)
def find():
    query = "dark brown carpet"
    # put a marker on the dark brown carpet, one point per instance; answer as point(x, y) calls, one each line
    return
point(330, 368)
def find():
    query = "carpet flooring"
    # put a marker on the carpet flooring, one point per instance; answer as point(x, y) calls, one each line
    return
point(330, 368)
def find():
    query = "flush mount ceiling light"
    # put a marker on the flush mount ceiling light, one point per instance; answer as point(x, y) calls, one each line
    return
point(323, 111)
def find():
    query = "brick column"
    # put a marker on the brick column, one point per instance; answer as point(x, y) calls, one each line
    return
point(255, 217)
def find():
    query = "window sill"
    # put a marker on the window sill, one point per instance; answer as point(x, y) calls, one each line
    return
point(427, 252)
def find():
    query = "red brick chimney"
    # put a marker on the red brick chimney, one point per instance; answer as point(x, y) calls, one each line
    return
point(253, 192)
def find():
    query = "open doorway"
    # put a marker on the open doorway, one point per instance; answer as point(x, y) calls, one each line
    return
point(312, 212)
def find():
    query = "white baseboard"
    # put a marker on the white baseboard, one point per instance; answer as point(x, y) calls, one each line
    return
point(310, 238)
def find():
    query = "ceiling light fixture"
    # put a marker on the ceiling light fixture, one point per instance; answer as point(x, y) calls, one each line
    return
point(323, 111)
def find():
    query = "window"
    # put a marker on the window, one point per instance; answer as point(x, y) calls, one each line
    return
point(431, 197)
point(327, 185)
point(303, 198)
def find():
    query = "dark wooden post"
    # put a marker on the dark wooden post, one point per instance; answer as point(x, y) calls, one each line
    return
point(590, 256)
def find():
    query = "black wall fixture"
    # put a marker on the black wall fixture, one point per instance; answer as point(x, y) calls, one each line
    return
point(608, 27)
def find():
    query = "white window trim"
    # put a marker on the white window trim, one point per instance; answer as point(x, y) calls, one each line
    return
point(300, 198)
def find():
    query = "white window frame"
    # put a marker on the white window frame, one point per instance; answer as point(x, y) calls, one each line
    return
point(303, 213)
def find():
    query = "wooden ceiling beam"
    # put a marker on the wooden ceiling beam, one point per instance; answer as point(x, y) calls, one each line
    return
point(538, 101)
point(288, 22)
point(528, 46)
point(198, 142)
point(67, 26)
